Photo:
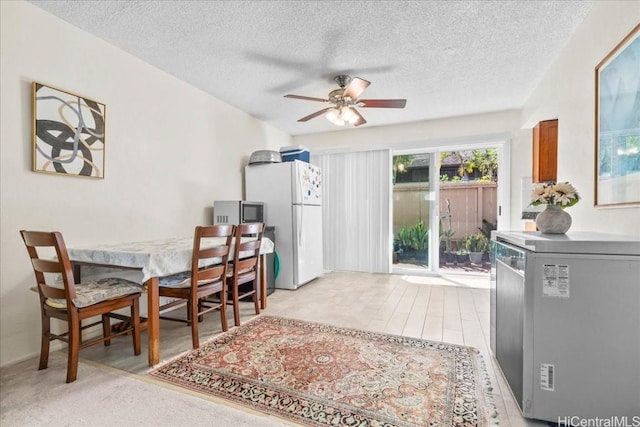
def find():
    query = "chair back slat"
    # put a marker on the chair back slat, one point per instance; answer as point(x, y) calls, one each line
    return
point(39, 238)
point(251, 228)
point(47, 265)
point(246, 263)
point(251, 245)
point(220, 230)
point(217, 272)
point(50, 291)
point(215, 252)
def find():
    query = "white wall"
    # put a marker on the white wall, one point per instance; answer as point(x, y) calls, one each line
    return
point(432, 133)
point(170, 151)
point(567, 92)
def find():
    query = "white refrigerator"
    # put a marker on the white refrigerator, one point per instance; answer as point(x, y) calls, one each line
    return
point(292, 193)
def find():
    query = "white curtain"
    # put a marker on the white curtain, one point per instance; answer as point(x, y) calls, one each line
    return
point(356, 210)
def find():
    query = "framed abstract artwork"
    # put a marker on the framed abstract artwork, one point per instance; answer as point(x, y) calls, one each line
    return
point(617, 131)
point(68, 133)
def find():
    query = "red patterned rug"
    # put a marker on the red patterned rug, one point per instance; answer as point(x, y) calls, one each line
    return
point(323, 375)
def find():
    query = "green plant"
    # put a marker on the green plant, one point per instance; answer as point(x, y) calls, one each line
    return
point(486, 161)
point(447, 234)
point(420, 236)
point(462, 251)
point(405, 238)
point(476, 242)
point(487, 227)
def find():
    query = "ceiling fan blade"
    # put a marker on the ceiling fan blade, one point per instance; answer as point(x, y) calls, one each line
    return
point(382, 103)
point(306, 98)
point(355, 88)
point(316, 114)
point(360, 120)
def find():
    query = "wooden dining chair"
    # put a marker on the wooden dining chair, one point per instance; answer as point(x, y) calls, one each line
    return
point(244, 267)
point(206, 279)
point(73, 303)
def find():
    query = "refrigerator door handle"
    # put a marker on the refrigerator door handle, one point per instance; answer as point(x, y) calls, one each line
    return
point(300, 227)
point(299, 184)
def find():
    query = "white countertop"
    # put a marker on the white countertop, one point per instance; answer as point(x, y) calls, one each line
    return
point(572, 242)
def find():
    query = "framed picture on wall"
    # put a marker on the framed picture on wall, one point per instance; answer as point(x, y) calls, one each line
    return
point(68, 133)
point(617, 178)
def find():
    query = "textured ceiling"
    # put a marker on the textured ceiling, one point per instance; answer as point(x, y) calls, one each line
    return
point(447, 58)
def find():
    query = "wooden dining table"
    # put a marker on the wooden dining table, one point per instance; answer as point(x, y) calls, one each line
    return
point(154, 259)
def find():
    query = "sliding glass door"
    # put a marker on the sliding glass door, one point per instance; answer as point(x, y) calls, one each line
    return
point(414, 211)
point(445, 202)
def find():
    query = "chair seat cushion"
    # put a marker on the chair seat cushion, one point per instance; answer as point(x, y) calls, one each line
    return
point(55, 303)
point(241, 272)
point(179, 280)
point(95, 291)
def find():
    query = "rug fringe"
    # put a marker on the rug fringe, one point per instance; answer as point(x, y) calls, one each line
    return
point(492, 409)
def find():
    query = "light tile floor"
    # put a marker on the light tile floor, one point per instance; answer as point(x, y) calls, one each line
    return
point(451, 308)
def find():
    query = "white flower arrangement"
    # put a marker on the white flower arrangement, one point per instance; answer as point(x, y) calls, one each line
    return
point(560, 194)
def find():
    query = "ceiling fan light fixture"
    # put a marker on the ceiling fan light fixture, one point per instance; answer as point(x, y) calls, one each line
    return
point(344, 100)
point(335, 117)
point(348, 115)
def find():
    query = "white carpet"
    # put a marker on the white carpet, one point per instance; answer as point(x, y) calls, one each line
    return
point(103, 396)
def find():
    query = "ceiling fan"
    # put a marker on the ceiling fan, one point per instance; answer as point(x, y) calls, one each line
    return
point(345, 100)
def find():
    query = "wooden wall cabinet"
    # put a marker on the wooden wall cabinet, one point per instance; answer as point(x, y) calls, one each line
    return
point(545, 151)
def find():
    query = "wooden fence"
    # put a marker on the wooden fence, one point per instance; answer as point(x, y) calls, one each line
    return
point(470, 203)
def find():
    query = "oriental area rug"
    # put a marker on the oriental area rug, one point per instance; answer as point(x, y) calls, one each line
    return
point(320, 375)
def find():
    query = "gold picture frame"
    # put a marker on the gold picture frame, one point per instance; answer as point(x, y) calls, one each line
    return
point(617, 125)
point(68, 133)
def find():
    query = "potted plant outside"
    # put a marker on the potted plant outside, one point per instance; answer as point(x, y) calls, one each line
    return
point(420, 240)
point(462, 256)
point(448, 253)
point(476, 244)
point(487, 228)
point(404, 243)
point(447, 234)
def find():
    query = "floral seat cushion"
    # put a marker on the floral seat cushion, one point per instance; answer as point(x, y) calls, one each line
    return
point(181, 280)
point(95, 291)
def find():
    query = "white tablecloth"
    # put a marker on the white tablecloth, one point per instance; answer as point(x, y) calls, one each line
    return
point(155, 258)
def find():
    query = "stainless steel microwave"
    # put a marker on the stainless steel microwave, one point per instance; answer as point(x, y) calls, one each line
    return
point(237, 211)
